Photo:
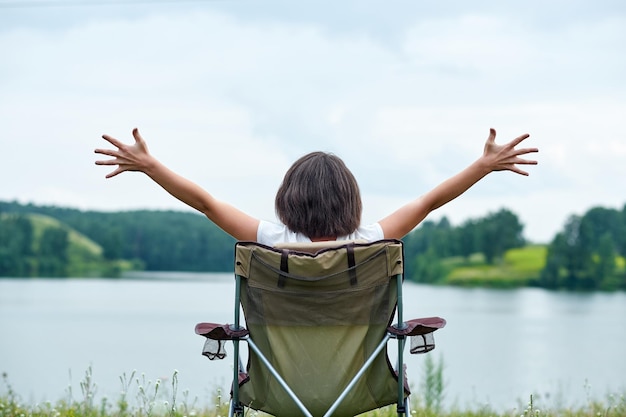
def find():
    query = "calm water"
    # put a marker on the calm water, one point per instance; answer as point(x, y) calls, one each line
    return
point(499, 347)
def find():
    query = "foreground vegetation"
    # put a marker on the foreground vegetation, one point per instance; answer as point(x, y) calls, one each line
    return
point(164, 400)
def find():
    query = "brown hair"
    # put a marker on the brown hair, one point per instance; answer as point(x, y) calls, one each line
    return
point(319, 197)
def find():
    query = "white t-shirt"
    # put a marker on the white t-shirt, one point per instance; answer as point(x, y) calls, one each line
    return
point(272, 233)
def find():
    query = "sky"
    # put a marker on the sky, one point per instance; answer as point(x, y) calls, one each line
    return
point(229, 93)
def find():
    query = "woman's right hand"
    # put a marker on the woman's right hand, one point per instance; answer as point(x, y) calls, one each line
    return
point(506, 157)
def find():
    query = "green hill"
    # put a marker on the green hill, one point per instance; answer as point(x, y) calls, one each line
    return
point(52, 248)
point(85, 257)
point(79, 244)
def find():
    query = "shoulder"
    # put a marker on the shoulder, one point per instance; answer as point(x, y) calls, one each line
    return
point(370, 232)
point(270, 234)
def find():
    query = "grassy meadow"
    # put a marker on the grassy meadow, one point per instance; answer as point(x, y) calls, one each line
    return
point(519, 268)
point(139, 397)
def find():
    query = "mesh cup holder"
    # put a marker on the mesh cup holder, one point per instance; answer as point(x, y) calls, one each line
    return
point(214, 349)
point(422, 343)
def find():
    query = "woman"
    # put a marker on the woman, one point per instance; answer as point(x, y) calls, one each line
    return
point(319, 198)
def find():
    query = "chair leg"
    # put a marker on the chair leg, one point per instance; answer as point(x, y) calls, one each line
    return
point(235, 410)
point(403, 409)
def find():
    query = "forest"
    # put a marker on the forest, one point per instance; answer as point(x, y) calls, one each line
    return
point(48, 241)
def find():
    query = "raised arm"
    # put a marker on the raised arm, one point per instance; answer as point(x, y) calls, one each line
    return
point(136, 157)
point(495, 158)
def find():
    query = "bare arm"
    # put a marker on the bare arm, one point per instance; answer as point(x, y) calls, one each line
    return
point(495, 158)
point(137, 158)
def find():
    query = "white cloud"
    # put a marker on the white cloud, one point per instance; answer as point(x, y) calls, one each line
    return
point(478, 45)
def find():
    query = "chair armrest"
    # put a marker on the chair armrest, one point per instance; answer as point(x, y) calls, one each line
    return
point(416, 327)
point(216, 335)
point(220, 331)
point(420, 331)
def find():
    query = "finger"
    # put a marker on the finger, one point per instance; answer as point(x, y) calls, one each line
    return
point(108, 152)
point(138, 138)
point(492, 135)
point(119, 170)
point(524, 151)
point(108, 162)
point(518, 139)
point(527, 162)
point(518, 171)
point(112, 141)
point(515, 159)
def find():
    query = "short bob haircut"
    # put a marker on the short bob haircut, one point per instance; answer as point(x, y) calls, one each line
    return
point(319, 197)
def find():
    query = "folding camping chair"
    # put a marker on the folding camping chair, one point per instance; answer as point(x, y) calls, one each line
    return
point(318, 319)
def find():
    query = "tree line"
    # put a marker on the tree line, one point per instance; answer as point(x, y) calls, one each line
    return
point(19, 256)
point(585, 254)
point(491, 235)
point(156, 240)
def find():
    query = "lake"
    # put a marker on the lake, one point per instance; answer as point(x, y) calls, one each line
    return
point(499, 347)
